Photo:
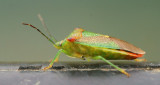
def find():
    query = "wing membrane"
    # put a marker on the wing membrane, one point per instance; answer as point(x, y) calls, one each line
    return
point(98, 40)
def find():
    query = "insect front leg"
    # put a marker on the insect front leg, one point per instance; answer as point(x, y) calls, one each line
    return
point(119, 69)
point(54, 59)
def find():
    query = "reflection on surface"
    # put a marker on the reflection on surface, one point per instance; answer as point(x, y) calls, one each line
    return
point(79, 78)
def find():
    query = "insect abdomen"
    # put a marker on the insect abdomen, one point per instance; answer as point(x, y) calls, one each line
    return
point(77, 50)
point(112, 54)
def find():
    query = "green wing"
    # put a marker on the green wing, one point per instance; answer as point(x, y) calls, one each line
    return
point(97, 40)
point(105, 41)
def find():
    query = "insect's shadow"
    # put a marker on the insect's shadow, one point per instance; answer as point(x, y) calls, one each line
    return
point(97, 70)
point(93, 73)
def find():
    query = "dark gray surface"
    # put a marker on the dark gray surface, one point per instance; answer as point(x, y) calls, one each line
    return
point(79, 78)
point(148, 74)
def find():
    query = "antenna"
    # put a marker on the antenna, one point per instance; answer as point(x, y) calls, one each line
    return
point(40, 32)
point(45, 27)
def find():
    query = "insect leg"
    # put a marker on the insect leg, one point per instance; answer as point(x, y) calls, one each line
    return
point(56, 60)
point(52, 62)
point(119, 69)
point(140, 60)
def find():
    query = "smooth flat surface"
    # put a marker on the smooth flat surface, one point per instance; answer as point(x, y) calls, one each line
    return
point(79, 78)
point(148, 74)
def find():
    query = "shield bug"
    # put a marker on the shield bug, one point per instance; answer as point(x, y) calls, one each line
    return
point(88, 45)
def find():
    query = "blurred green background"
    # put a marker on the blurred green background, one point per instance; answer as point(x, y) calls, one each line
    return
point(135, 21)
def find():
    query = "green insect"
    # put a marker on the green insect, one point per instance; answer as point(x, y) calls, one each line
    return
point(88, 45)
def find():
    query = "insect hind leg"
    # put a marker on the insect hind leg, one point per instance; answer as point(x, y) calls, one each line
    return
point(140, 60)
point(119, 69)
